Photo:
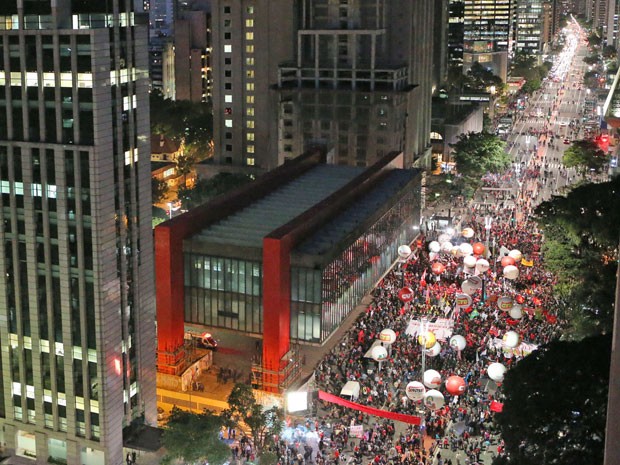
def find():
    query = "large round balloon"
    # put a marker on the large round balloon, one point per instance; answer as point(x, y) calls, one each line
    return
point(469, 261)
point(443, 238)
point(433, 399)
point(482, 265)
point(478, 248)
point(516, 312)
point(463, 301)
point(511, 272)
point(466, 248)
point(511, 339)
point(471, 284)
point(446, 247)
point(455, 385)
point(378, 353)
point(434, 351)
point(427, 340)
point(438, 268)
point(432, 379)
point(387, 336)
point(505, 303)
point(434, 246)
point(468, 233)
point(404, 251)
point(516, 255)
point(456, 251)
point(496, 371)
point(458, 342)
point(415, 390)
point(507, 261)
point(406, 294)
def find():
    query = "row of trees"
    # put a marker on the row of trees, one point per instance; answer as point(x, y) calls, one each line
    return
point(194, 437)
point(526, 66)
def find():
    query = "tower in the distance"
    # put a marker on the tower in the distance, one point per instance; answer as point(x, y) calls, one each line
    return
point(76, 290)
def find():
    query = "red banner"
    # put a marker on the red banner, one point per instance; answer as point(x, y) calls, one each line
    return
point(496, 406)
point(411, 419)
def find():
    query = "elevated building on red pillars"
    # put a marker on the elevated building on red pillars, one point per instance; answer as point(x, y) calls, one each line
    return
point(284, 258)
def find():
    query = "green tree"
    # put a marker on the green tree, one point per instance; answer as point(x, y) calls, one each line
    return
point(555, 407)
point(206, 189)
point(584, 155)
point(580, 248)
point(479, 153)
point(243, 409)
point(191, 437)
point(159, 189)
point(591, 59)
point(185, 164)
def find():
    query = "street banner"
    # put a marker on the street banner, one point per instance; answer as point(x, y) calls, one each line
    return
point(410, 419)
point(496, 406)
point(442, 327)
point(356, 431)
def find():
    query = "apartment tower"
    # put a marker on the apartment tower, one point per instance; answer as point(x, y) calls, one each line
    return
point(352, 74)
point(77, 331)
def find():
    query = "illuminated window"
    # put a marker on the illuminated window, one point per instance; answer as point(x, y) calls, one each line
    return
point(228, 123)
point(249, 23)
point(249, 86)
point(249, 36)
point(250, 10)
point(249, 48)
point(249, 99)
point(250, 124)
point(249, 111)
point(249, 161)
point(249, 61)
point(250, 149)
point(250, 136)
point(250, 73)
point(227, 48)
point(228, 98)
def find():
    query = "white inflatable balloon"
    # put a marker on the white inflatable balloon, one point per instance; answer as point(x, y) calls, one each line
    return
point(516, 255)
point(387, 336)
point(378, 353)
point(434, 351)
point(404, 251)
point(469, 261)
point(447, 247)
point(511, 272)
point(505, 303)
point(415, 390)
point(432, 379)
point(433, 256)
point(466, 248)
point(496, 371)
point(511, 339)
point(482, 265)
point(434, 247)
point(516, 312)
point(458, 342)
point(443, 238)
point(434, 399)
point(468, 233)
point(471, 285)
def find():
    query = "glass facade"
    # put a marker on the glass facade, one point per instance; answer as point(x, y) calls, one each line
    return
point(223, 292)
point(347, 278)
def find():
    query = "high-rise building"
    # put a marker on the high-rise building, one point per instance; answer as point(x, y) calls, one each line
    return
point(77, 350)
point(352, 75)
point(488, 34)
point(456, 30)
point(529, 27)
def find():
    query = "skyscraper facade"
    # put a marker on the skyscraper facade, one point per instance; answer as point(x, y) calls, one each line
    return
point(529, 27)
point(76, 290)
point(355, 75)
point(488, 34)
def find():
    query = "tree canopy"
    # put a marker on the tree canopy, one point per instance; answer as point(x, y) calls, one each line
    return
point(555, 407)
point(584, 155)
point(580, 248)
point(206, 189)
point(245, 409)
point(479, 153)
point(192, 437)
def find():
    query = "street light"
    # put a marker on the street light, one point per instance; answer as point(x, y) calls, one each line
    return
point(170, 210)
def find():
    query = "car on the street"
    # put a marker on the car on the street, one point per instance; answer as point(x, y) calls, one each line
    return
point(566, 141)
point(201, 340)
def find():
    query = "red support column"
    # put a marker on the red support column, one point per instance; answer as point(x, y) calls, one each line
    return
point(276, 307)
point(169, 290)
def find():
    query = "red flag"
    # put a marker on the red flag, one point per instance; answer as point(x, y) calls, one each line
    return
point(496, 406)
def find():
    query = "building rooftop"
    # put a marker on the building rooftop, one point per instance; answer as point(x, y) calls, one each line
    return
point(334, 232)
point(249, 226)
